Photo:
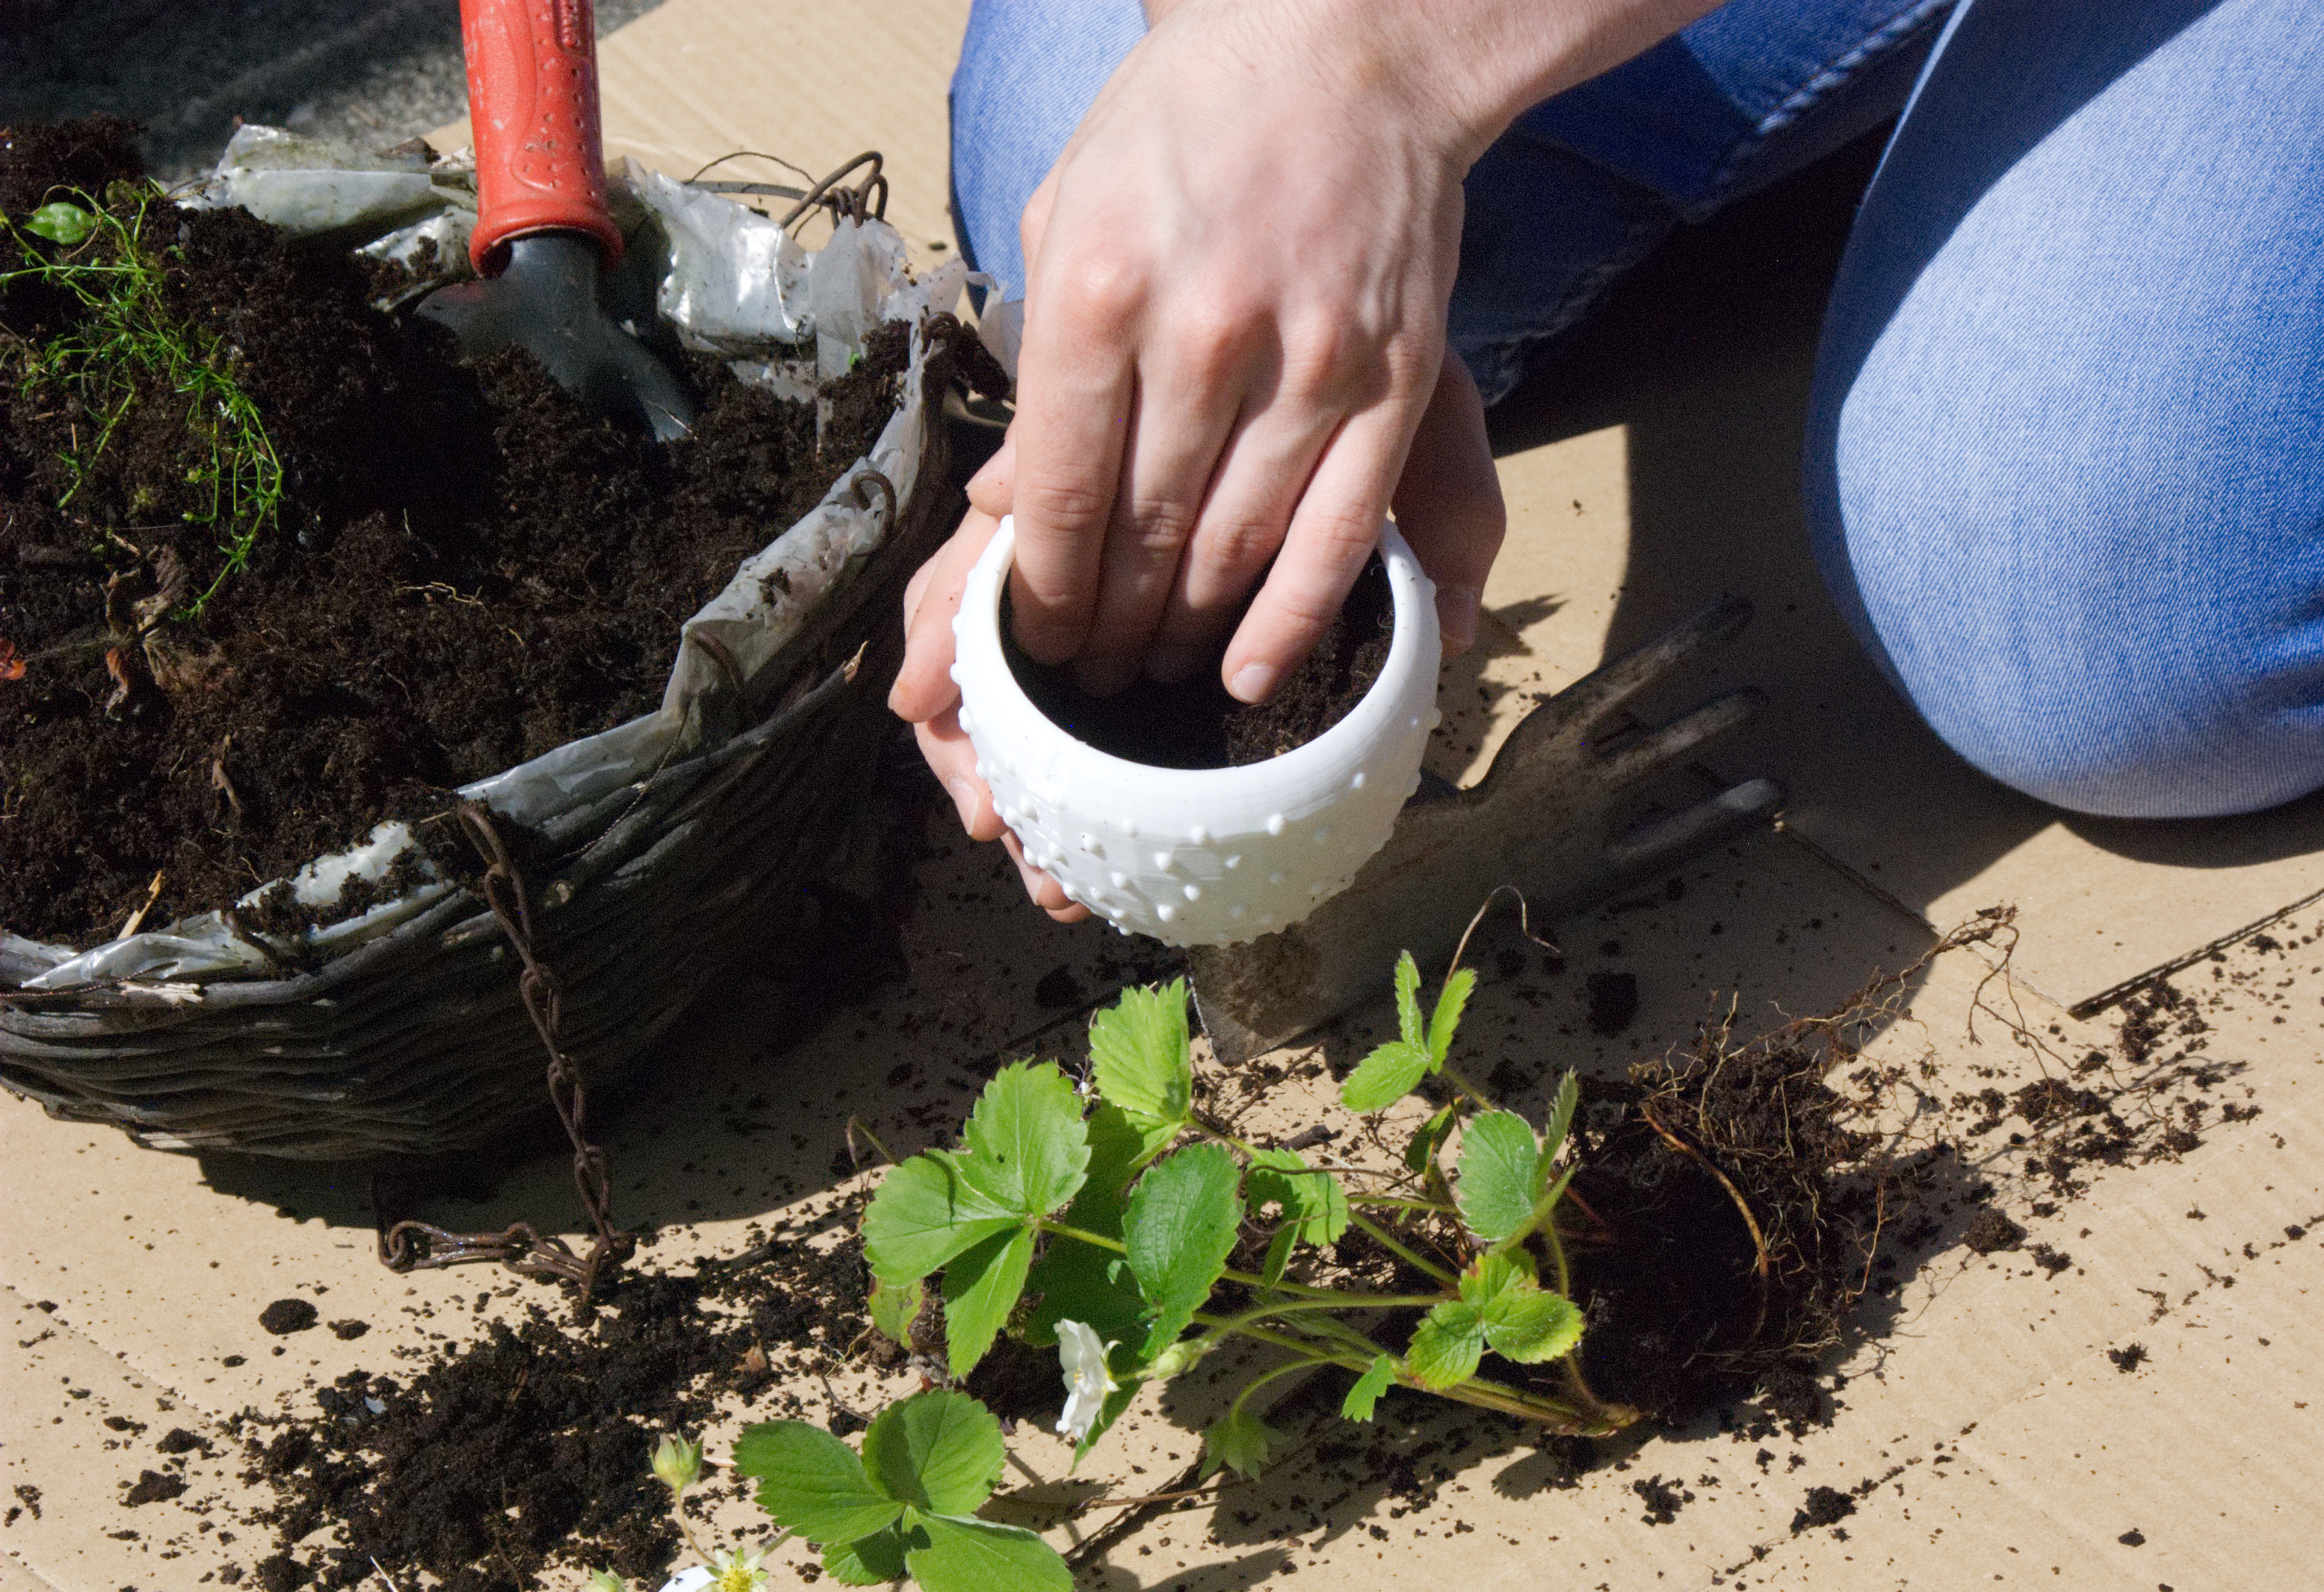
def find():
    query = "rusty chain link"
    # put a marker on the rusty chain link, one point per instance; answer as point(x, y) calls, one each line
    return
point(410, 1246)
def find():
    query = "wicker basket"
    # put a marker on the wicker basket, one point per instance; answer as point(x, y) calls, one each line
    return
point(415, 1042)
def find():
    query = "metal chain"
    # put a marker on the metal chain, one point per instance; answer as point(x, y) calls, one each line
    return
point(410, 1246)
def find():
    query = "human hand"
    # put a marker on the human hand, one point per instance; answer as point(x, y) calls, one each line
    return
point(1233, 346)
point(1235, 319)
point(1448, 504)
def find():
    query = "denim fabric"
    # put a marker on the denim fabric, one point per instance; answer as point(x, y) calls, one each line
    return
point(2063, 469)
point(1028, 70)
point(1586, 184)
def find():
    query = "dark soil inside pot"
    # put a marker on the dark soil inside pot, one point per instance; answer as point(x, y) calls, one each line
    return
point(1195, 724)
point(464, 569)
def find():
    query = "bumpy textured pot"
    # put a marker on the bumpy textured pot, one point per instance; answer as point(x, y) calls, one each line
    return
point(1201, 856)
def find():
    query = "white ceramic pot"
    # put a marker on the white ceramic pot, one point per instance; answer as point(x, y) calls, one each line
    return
point(1200, 856)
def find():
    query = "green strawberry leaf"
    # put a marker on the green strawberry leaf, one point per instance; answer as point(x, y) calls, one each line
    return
point(1498, 1182)
point(1446, 1346)
point(812, 1483)
point(1121, 1147)
point(1420, 1153)
point(924, 1214)
point(1385, 1076)
point(1407, 1002)
point(1560, 1119)
point(1240, 1442)
point(939, 1451)
point(1312, 1200)
point(870, 1561)
point(980, 1289)
point(1076, 1282)
point(1489, 1277)
point(1450, 1001)
point(1376, 1379)
point(1081, 1283)
point(1530, 1325)
point(1138, 1054)
point(1179, 1228)
point(978, 1555)
point(1027, 1148)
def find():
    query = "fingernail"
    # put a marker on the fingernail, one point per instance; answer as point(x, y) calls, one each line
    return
point(964, 796)
point(1457, 608)
point(1252, 682)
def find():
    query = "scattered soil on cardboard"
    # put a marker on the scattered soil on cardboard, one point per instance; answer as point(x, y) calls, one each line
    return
point(522, 1454)
point(1195, 724)
point(466, 571)
point(525, 1451)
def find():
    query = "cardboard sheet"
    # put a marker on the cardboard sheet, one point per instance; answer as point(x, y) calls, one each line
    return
point(1963, 1390)
point(694, 80)
point(1985, 1437)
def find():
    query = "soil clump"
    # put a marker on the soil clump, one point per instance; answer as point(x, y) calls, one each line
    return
point(1195, 724)
point(453, 568)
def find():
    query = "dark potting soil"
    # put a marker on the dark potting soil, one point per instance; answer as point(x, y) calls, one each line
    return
point(465, 571)
point(527, 1450)
point(1197, 724)
point(1733, 1242)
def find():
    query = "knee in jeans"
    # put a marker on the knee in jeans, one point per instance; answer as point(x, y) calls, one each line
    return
point(2117, 731)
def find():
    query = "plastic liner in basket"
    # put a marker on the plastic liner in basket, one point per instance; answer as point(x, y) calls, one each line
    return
point(664, 848)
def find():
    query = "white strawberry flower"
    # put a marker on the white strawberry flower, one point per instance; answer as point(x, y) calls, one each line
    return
point(1087, 1380)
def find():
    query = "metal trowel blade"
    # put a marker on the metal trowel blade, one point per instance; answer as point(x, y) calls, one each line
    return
point(546, 300)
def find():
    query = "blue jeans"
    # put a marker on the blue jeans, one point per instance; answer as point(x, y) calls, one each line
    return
point(2065, 463)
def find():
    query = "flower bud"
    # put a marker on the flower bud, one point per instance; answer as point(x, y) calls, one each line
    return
point(676, 1463)
point(605, 1580)
point(1179, 1357)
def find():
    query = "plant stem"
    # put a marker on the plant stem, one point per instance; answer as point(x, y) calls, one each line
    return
point(1226, 1324)
point(1595, 1421)
point(678, 1514)
point(1259, 1381)
point(1477, 1096)
point(1380, 1236)
point(1557, 1256)
point(1339, 1297)
point(1400, 1202)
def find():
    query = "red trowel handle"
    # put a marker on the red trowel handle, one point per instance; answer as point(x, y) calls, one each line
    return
point(532, 104)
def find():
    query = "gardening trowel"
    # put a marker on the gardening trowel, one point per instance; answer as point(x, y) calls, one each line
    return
point(543, 233)
point(1541, 821)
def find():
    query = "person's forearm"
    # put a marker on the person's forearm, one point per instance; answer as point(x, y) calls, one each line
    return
point(1479, 63)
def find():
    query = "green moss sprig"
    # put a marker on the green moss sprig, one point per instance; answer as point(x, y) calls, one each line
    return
point(126, 341)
